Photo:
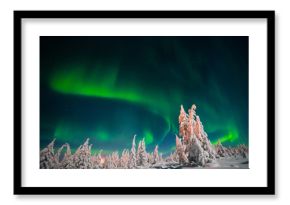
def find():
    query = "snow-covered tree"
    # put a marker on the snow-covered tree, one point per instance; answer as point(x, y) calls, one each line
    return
point(190, 124)
point(197, 128)
point(183, 121)
point(180, 150)
point(97, 160)
point(195, 152)
point(220, 149)
point(108, 162)
point(82, 157)
point(124, 160)
point(47, 159)
point(62, 163)
point(133, 158)
point(115, 160)
point(141, 154)
point(150, 158)
point(198, 148)
point(155, 155)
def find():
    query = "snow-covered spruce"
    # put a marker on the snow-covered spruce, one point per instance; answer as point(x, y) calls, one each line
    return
point(197, 147)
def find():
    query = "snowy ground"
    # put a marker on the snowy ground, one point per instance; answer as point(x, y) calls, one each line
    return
point(229, 163)
point(222, 163)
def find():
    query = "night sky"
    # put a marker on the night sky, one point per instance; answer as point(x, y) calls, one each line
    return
point(110, 88)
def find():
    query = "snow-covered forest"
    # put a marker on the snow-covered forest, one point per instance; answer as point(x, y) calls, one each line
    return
point(193, 150)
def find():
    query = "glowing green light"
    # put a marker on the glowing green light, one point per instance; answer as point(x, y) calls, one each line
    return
point(148, 137)
point(102, 135)
point(103, 82)
point(65, 132)
point(232, 136)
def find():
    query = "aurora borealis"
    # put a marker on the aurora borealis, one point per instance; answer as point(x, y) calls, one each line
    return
point(111, 88)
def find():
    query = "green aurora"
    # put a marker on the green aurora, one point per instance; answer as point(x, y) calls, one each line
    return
point(111, 88)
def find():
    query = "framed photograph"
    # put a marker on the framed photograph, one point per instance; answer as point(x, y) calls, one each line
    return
point(144, 102)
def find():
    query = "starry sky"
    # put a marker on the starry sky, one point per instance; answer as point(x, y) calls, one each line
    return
point(110, 88)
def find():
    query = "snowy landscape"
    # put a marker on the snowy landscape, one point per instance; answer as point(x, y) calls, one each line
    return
point(193, 150)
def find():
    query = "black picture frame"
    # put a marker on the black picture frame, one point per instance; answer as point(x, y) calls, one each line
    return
point(268, 190)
